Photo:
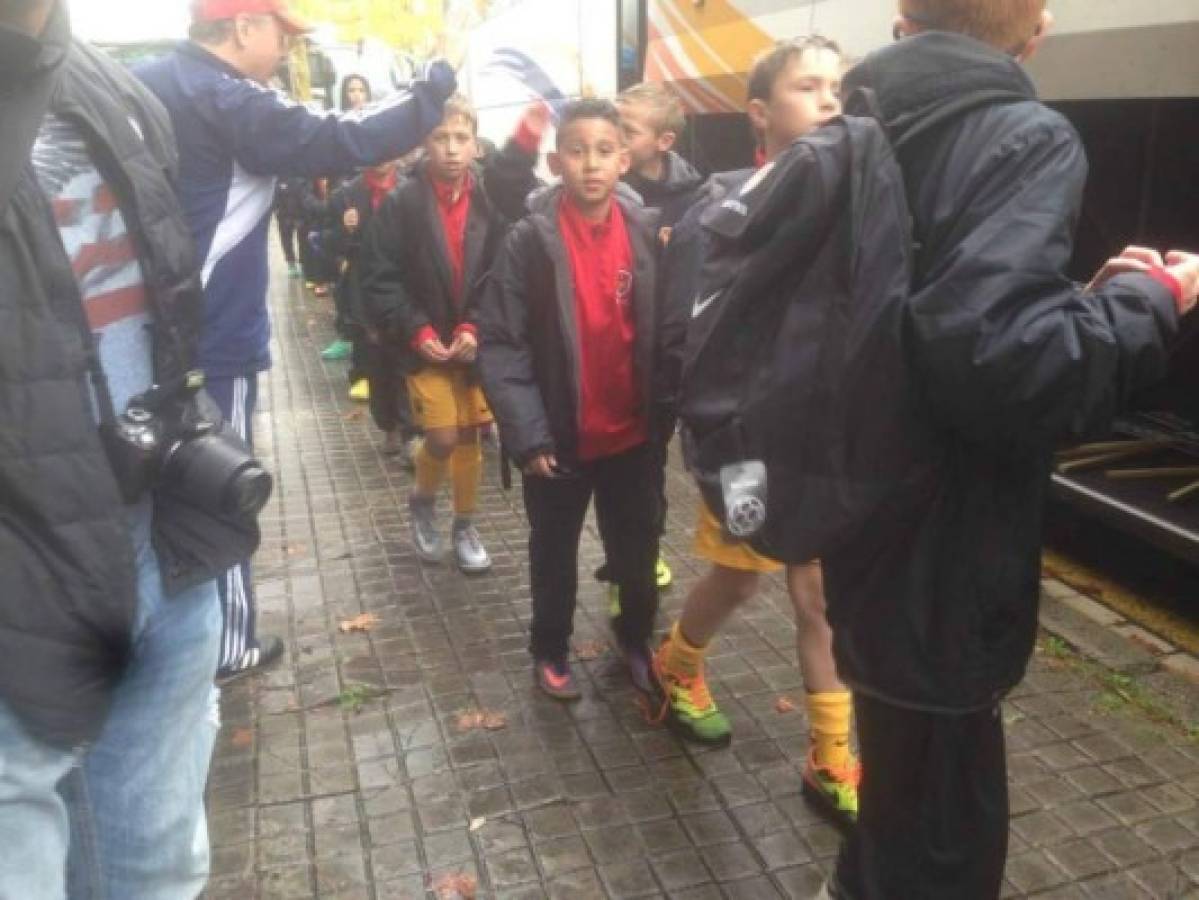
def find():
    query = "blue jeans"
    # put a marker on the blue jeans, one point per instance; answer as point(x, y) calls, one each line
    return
point(134, 802)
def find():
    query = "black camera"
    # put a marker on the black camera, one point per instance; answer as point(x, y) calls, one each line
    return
point(174, 439)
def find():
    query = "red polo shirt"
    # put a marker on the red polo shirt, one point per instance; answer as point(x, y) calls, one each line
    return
point(453, 208)
point(601, 262)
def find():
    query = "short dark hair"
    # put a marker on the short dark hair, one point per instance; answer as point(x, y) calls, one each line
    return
point(587, 108)
point(770, 65)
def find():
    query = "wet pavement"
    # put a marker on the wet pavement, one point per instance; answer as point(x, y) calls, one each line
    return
point(414, 757)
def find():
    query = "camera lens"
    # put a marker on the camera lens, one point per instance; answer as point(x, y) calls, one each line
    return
point(216, 471)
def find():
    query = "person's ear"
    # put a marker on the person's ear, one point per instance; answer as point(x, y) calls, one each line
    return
point(626, 160)
point(666, 141)
point(759, 116)
point(1034, 42)
point(554, 161)
point(902, 26)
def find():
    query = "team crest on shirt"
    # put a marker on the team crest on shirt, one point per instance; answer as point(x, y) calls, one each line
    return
point(624, 287)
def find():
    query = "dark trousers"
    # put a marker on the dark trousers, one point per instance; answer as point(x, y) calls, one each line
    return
point(390, 405)
point(236, 398)
point(288, 229)
point(933, 807)
point(626, 501)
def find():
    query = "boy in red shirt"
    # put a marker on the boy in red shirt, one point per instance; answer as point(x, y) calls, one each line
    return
point(566, 355)
point(425, 262)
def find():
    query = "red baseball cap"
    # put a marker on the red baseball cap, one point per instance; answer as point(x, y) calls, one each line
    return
point(216, 10)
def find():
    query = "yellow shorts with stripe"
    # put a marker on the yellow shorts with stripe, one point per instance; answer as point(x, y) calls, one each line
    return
point(446, 398)
point(712, 545)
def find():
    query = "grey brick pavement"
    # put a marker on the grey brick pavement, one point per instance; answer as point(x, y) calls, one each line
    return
point(375, 797)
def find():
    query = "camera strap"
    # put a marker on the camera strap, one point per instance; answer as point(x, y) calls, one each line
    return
point(91, 353)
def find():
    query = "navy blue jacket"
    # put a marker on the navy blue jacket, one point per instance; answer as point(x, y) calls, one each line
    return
point(235, 137)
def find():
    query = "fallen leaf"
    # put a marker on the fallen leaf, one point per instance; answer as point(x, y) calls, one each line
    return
point(363, 623)
point(469, 720)
point(242, 737)
point(457, 886)
point(481, 718)
point(784, 705)
point(494, 721)
point(294, 549)
point(476, 824)
point(589, 650)
point(353, 415)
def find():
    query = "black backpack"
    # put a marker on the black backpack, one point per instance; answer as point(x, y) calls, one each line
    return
point(795, 353)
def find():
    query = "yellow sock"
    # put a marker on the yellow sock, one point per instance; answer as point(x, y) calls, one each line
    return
point(681, 656)
point(430, 473)
point(829, 715)
point(466, 468)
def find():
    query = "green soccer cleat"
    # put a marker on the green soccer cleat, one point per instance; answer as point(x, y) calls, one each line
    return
point(339, 349)
point(688, 706)
point(833, 791)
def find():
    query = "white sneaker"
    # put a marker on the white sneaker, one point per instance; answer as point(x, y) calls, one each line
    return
point(423, 524)
point(472, 556)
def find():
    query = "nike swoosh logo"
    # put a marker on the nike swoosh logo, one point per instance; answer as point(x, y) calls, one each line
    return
point(698, 308)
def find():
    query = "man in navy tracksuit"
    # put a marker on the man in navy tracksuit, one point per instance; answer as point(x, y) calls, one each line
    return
point(236, 137)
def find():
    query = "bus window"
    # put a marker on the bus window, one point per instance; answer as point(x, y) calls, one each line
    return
point(630, 66)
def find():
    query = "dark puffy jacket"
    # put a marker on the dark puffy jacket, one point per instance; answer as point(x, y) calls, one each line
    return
point(671, 195)
point(679, 269)
point(935, 605)
point(528, 341)
point(406, 278)
point(69, 595)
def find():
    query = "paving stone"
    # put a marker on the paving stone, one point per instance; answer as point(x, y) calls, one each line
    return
point(512, 868)
point(563, 855)
point(550, 822)
point(1040, 829)
point(752, 889)
point(629, 879)
point(1084, 817)
point(729, 862)
point(705, 829)
point(801, 882)
point(582, 884)
point(1033, 871)
point(612, 845)
point(396, 860)
point(680, 870)
point(1080, 859)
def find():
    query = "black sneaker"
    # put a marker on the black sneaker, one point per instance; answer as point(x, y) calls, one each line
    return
point(640, 661)
point(265, 652)
point(556, 679)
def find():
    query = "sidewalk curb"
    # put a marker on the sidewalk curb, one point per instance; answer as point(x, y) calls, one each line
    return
point(1106, 637)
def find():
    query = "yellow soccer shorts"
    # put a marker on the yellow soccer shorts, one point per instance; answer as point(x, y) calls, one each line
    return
point(444, 397)
point(712, 545)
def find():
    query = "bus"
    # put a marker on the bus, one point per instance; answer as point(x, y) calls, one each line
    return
point(1125, 74)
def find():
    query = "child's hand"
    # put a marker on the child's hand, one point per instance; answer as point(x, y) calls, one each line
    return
point(350, 220)
point(1131, 259)
point(465, 348)
point(434, 351)
point(1185, 268)
point(543, 466)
